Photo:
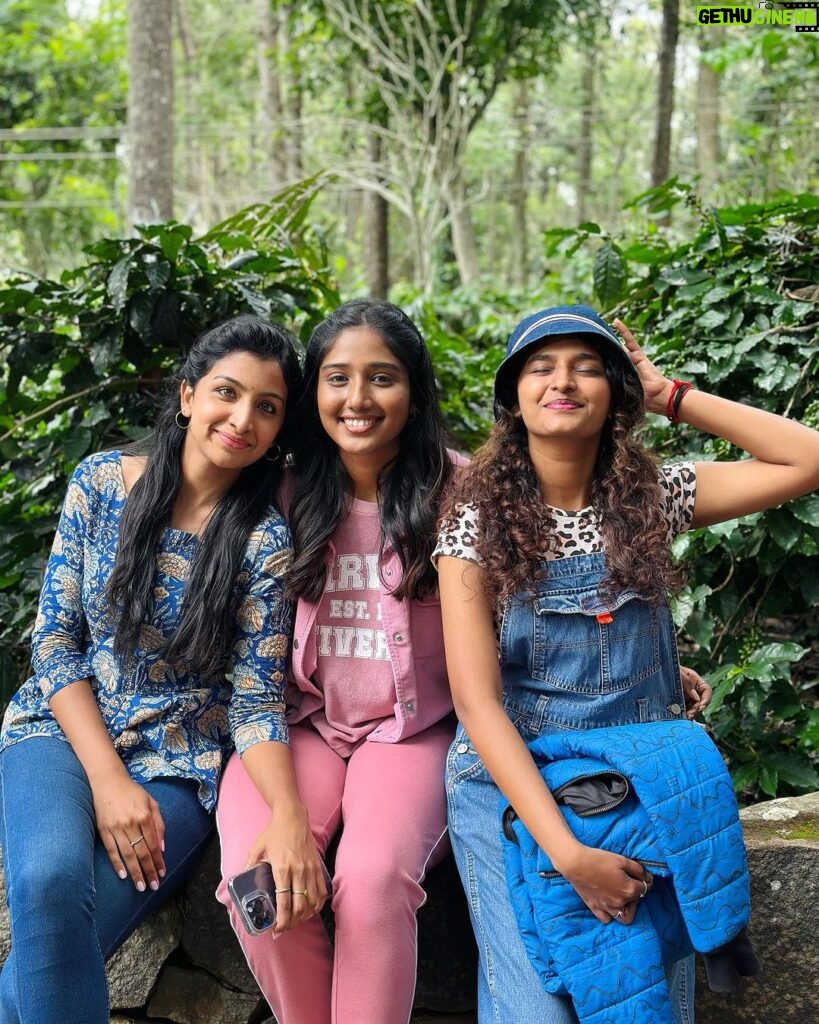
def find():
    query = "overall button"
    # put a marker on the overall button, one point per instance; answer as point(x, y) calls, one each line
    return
point(296, 643)
point(410, 706)
point(388, 572)
point(398, 638)
point(462, 748)
point(675, 709)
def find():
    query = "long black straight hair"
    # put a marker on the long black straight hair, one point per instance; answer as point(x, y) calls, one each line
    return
point(205, 628)
point(409, 493)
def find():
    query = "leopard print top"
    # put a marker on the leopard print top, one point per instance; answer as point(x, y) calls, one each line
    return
point(578, 533)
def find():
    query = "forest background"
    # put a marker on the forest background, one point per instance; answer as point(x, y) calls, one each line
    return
point(167, 163)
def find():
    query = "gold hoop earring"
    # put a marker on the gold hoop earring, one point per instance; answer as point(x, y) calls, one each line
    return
point(182, 426)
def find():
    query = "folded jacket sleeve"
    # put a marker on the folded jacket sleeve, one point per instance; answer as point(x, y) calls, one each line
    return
point(58, 641)
point(264, 624)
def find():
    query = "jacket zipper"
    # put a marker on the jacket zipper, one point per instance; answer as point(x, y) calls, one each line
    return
point(604, 807)
point(645, 863)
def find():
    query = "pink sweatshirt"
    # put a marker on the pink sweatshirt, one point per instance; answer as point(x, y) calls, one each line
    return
point(365, 665)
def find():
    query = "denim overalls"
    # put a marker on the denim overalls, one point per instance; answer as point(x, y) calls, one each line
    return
point(569, 660)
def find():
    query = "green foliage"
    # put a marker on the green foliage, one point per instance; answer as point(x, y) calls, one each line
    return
point(62, 80)
point(736, 310)
point(85, 359)
point(466, 331)
point(735, 307)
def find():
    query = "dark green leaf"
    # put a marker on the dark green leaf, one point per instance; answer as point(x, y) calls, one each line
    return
point(806, 509)
point(768, 779)
point(610, 274)
point(784, 528)
point(104, 353)
point(796, 772)
point(172, 239)
point(700, 627)
point(715, 295)
point(745, 776)
point(77, 444)
point(712, 318)
point(118, 283)
point(809, 587)
point(140, 310)
point(158, 273)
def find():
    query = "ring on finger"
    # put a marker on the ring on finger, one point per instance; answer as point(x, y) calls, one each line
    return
point(619, 913)
point(645, 887)
point(135, 842)
point(299, 892)
point(285, 889)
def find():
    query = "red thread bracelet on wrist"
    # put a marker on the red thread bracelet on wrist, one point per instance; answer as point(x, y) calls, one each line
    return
point(679, 389)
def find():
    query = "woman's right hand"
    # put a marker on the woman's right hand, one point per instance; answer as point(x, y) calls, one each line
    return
point(656, 386)
point(131, 828)
point(287, 844)
point(609, 885)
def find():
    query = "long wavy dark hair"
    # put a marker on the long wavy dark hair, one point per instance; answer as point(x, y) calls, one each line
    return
point(410, 492)
point(515, 531)
point(206, 623)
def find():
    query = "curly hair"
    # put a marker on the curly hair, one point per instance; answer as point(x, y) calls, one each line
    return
point(515, 530)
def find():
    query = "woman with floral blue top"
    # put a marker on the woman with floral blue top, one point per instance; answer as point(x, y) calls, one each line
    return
point(166, 574)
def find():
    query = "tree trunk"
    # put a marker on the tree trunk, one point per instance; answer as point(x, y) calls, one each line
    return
point(188, 142)
point(270, 97)
point(464, 243)
point(520, 188)
point(665, 92)
point(292, 96)
point(709, 82)
point(769, 120)
point(462, 229)
point(376, 227)
point(150, 126)
point(585, 149)
point(490, 245)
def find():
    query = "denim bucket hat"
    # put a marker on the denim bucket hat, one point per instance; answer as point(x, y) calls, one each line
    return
point(554, 322)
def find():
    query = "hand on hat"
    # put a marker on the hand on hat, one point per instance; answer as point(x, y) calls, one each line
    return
point(656, 387)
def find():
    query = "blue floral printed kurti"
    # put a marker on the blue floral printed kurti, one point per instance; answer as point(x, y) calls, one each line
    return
point(163, 720)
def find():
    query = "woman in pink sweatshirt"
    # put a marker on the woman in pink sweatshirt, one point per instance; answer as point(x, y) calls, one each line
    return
point(368, 699)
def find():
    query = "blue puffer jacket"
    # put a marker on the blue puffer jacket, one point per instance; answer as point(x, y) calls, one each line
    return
point(676, 813)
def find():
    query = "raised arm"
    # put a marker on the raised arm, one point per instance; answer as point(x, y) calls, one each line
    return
point(605, 881)
point(784, 454)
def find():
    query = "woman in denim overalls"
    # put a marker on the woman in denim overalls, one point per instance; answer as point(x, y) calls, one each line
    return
point(575, 604)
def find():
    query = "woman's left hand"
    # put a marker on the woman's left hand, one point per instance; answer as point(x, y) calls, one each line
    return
point(697, 692)
point(656, 387)
point(287, 844)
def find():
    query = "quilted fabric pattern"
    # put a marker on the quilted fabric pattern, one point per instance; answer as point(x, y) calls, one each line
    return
point(680, 819)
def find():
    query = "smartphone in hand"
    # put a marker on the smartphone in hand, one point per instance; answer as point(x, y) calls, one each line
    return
point(254, 895)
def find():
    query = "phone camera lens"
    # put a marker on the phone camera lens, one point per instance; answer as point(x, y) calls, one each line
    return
point(257, 912)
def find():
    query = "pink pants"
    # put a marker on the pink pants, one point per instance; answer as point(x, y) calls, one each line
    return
point(390, 798)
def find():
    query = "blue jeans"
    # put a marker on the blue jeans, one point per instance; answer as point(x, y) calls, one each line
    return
point(509, 988)
point(69, 910)
point(570, 659)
